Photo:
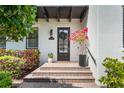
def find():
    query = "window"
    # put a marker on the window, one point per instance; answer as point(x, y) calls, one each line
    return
point(2, 41)
point(32, 39)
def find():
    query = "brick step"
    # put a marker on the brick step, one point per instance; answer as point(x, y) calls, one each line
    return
point(85, 85)
point(59, 79)
point(64, 68)
point(45, 85)
point(65, 64)
point(16, 83)
point(62, 73)
point(56, 85)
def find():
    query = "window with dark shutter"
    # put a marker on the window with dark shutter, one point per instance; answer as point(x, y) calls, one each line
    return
point(32, 39)
point(2, 41)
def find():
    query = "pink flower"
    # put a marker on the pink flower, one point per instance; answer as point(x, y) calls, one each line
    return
point(79, 36)
point(85, 30)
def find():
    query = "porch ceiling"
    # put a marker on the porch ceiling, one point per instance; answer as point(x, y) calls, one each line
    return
point(59, 12)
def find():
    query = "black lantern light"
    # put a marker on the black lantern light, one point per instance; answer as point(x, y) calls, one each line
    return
point(51, 35)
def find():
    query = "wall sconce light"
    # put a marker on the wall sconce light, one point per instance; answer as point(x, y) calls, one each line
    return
point(51, 35)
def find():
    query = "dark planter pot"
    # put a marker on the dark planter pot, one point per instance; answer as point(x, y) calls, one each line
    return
point(83, 60)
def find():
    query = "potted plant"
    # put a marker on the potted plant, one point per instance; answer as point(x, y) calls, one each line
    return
point(80, 37)
point(50, 57)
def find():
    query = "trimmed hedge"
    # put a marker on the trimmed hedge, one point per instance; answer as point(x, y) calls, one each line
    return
point(12, 64)
point(32, 58)
point(29, 57)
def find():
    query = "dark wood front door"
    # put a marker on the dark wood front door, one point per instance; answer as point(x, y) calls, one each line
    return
point(63, 44)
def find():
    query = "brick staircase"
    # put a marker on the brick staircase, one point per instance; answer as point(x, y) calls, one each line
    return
point(63, 73)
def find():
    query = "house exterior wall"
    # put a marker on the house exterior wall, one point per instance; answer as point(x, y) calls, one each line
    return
point(84, 22)
point(21, 45)
point(93, 33)
point(105, 25)
point(111, 33)
point(47, 46)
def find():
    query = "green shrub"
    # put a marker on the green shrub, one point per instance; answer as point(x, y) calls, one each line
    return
point(12, 64)
point(5, 79)
point(114, 70)
point(2, 51)
point(30, 57)
point(50, 55)
point(11, 52)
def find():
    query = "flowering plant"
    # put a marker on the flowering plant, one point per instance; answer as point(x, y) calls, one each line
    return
point(81, 38)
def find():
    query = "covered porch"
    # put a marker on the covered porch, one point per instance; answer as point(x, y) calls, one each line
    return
point(55, 21)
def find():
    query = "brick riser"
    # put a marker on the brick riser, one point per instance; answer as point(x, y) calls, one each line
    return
point(62, 74)
point(65, 68)
point(66, 81)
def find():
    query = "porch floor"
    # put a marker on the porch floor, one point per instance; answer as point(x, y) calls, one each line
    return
point(62, 64)
point(61, 74)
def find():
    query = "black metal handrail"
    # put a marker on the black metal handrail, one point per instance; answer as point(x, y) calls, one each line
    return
point(91, 56)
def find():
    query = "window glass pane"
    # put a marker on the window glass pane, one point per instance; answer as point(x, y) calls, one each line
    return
point(63, 41)
point(32, 39)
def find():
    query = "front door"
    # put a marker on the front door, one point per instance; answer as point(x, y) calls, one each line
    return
point(63, 44)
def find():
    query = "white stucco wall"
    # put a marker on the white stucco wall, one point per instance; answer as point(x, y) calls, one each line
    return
point(21, 45)
point(84, 22)
point(105, 25)
point(93, 31)
point(45, 45)
point(111, 33)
